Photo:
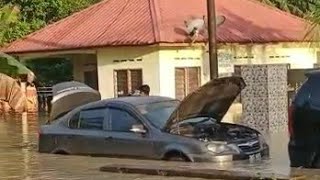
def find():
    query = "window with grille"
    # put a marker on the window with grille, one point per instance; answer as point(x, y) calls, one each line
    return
point(187, 80)
point(127, 81)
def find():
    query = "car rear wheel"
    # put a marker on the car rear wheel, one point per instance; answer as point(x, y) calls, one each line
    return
point(316, 162)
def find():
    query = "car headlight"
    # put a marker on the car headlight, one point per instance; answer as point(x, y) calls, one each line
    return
point(223, 148)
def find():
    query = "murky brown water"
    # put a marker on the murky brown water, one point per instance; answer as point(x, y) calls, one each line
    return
point(19, 158)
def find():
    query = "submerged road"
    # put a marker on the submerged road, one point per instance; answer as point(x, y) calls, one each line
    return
point(19, 158)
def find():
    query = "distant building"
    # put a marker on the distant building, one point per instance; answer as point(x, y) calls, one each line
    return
point(117, 45)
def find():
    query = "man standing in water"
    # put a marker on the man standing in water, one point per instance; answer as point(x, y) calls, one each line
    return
point(144, 90)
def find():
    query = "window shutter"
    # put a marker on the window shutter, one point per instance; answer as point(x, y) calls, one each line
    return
point(126, 81)
point(136, 79)
point(122, 82)
point(193, 79)
point(180, 83)
point(187, 80)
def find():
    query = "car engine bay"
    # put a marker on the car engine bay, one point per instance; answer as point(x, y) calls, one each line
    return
point(209, 130)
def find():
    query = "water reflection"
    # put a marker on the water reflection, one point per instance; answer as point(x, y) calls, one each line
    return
point(19, 158)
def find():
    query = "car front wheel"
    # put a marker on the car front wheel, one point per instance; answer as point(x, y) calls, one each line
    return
point(177, 156)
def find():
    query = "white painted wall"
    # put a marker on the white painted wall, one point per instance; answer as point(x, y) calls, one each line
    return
point(298, 55)
point(159, 63)
point(171, 58)
point(149, 66)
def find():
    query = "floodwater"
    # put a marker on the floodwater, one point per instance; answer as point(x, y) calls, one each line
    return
point(19, 158)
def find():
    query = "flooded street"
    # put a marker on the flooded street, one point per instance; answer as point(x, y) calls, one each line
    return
point(19, 158)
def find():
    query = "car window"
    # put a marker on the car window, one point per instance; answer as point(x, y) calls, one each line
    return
point(74, 121)
point(120, 120)
point(303, 94)
point(92, 119)
point(315, 93)
point(158, 113)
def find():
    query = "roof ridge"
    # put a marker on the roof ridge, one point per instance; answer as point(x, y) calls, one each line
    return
point(156, 19)
point(62, 20)
point(279, 10)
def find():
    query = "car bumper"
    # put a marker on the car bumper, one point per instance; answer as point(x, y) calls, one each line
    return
point(208, 157)
point(301, 155)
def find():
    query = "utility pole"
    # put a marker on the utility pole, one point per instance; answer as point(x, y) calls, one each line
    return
point(213, 57)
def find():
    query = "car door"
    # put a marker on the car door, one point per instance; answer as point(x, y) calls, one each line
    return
point(87, 135)
point(122, 141)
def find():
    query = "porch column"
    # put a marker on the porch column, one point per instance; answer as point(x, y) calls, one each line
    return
point(265, 98)
point(265, 106)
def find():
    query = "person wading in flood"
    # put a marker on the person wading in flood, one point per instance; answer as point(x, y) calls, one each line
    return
point(144, 90)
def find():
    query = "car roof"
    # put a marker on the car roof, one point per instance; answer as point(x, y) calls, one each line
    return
point(315, 72)
point(140, 100)
point(132, 100)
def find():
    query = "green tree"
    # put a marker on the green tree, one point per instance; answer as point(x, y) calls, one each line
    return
point(35, 14)
point(8, 18)
point(51, 71)
point(313, 31)
point(300, 8)
point(308, 9)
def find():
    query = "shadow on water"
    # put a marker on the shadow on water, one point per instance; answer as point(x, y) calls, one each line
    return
point(19, 158)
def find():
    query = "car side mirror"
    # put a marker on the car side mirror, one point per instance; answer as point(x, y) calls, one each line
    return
point(138, 129)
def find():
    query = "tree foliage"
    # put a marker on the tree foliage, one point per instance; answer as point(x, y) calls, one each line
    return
point(51, 71)
point(21, 17)
point(308, 9)
point(297, 7)
point(35, 14)
point(8, 17)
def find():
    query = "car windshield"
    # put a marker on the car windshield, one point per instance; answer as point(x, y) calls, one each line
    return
point(199, 120)
point(158, 113)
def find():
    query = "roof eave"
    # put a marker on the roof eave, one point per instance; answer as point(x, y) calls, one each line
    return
point(161, 44)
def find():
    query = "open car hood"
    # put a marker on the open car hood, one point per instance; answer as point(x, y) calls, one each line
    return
point(69, 95)
point(210, 100)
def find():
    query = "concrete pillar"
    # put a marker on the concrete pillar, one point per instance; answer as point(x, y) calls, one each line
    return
point(265, 98)
point(265, 107)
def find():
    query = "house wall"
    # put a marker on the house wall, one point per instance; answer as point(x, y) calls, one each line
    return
point(171, 58)
point(83, 63)
point(108, 58)
point(298, 55)
point(158, 63)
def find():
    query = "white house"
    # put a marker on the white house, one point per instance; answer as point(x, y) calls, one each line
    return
point(117, 45)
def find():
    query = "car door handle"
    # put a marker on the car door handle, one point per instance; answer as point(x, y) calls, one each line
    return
point(70, 136)
point(108, 138)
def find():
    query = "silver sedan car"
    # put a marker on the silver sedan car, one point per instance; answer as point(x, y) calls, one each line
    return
point(150, 127)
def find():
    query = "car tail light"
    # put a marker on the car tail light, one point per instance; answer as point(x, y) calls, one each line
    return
point(290, 120)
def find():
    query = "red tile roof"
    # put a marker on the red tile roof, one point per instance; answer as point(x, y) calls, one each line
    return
point(146, 22)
